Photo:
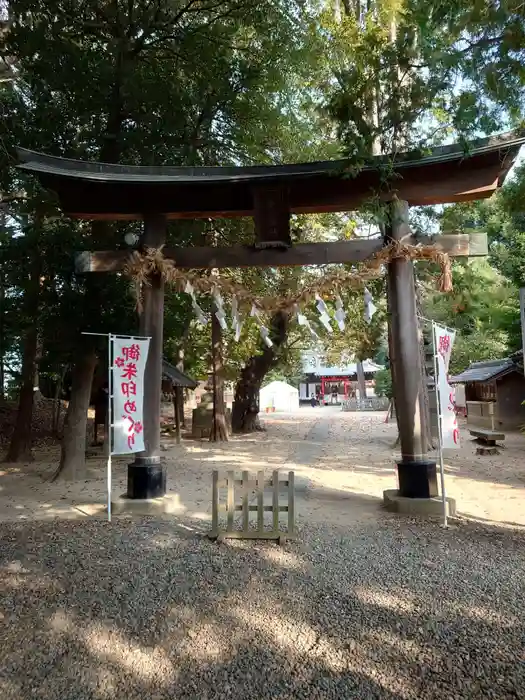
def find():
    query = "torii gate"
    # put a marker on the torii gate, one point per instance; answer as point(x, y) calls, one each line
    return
point(270, 194)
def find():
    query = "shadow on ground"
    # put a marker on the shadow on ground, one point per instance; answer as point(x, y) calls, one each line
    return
point(390, 611)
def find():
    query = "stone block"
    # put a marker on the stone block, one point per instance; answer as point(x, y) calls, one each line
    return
point(202, 417)
point(168, 504)
point(429, 507)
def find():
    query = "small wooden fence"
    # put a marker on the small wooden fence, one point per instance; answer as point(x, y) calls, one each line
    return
point(248, 489)
point(374, 403)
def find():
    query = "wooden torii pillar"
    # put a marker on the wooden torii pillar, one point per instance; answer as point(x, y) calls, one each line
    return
point(147, 474)
point(417, 475)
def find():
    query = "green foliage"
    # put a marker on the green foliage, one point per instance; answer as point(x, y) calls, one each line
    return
point(245, 81)
point(485, 302)
point(383, 383)
point(486, 46)
point(376, 86)
point(151, 82)
point(506, 222)
point(402, 74)
point(289, 371)
point(483, 308)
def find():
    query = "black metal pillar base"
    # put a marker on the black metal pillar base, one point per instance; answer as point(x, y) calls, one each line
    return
point(417, 479)
point(146, 478)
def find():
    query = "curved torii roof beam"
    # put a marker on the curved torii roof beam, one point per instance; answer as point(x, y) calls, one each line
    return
point(447, 174)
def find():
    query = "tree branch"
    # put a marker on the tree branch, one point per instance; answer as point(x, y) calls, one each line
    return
point(8, 198)
point(484, 42)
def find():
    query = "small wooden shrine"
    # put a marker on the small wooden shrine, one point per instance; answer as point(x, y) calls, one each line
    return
point(494, 393)
point(269, 194)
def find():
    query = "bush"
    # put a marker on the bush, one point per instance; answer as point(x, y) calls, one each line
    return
point(383, 383)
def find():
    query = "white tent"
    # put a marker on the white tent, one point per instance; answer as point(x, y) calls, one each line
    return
point(279, 396)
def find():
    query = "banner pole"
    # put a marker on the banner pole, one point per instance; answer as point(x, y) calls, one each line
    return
point(440, 419)
point(110, 418)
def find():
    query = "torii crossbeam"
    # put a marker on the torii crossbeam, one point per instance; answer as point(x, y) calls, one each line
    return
point(270, 194)
point(456, 245)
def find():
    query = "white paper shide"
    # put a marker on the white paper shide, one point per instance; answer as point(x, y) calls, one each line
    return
point(129, 357)
point(443, 342)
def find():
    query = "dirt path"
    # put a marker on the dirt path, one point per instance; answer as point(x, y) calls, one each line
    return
point(342, 461)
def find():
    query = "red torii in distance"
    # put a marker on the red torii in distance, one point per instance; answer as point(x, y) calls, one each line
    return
point(269, 194)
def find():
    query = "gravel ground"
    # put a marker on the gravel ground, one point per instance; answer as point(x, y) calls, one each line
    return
point(390, 609)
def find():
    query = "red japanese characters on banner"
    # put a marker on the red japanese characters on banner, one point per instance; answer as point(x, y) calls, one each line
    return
point(444, 345)
point(452, 408)
point(129, 362)
point(449, 431)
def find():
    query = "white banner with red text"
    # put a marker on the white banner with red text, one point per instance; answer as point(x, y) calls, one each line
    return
point(446, 394)
point(128, 362)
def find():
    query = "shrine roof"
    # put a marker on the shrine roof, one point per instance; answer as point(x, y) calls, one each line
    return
point(177, 377)
point(485, 371)
point(348, 370)
point(446, 174)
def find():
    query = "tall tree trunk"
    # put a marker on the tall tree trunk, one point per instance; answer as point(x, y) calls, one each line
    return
point(246, 403)
point(73, 454)
point(180, 408)
point(392, 358)
point(21, 440)
point(219, 428)
point(361, 379)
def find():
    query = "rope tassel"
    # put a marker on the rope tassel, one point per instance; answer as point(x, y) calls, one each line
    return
point(445, 278)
